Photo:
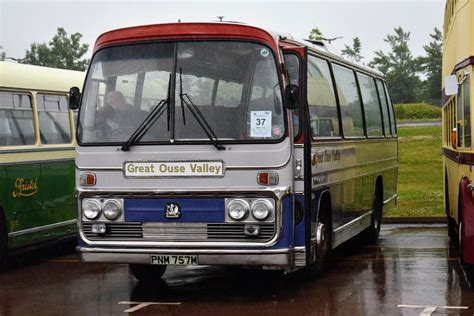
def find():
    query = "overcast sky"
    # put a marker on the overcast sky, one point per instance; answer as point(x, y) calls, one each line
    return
point(23, 22)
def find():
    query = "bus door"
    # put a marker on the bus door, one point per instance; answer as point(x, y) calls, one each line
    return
point(302, 151)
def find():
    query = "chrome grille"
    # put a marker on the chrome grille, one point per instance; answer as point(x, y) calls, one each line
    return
point(180, 232)
point(235, 232)
point(122, 231)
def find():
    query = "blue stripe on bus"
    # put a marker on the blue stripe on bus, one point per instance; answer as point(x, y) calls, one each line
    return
point(299, 228)
point(286, 237)
point(197, 210)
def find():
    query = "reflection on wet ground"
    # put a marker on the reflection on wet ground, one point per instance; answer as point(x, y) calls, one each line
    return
point(410, 265)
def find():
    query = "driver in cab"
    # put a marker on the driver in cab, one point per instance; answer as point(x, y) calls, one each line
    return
point(116, 116)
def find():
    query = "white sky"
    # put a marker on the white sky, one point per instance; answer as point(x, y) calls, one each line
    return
point(23, 22)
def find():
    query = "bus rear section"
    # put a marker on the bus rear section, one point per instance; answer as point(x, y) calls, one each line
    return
point(188, 152)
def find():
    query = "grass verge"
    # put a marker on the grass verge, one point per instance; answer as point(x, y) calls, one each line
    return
point(420, 180)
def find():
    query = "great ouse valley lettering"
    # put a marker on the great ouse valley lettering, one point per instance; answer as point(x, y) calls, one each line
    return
point(173, 168)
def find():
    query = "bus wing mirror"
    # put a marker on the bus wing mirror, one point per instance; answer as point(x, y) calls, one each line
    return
point(450, 85)
point(292, 97)
point(74, 98)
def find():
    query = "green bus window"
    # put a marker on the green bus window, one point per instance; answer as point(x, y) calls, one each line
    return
point(383, 101)
point(53, 117)
point(322, 104)
point(351, 112)
point(16, 119)
point(373, 117)
point(459, 126)
point(467, 113)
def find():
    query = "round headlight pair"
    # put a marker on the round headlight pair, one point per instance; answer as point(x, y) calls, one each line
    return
point(93, 208)
point(239, 209)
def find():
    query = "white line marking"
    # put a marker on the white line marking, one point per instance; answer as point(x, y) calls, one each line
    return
point(429, 309)
point(140, 305)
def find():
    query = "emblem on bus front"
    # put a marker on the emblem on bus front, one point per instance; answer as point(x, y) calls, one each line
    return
point(172, 210)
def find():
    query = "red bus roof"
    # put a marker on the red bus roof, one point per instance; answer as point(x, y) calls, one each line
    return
point(184, 31)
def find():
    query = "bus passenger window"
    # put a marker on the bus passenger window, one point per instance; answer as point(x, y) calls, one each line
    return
point(459, 126)
point(385, 110)
point(16, 119)
point(373, 117)
point(393, 124)
point(292, 66)
point(322, 104)
point(53, 115)
point(351, 112)
point(467, 113)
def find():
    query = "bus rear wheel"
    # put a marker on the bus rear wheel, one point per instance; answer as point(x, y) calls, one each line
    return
point(468, 268)
point(147, 273)
point(371, 234)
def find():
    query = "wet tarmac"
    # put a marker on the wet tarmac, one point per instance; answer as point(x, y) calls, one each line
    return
point(413, 270)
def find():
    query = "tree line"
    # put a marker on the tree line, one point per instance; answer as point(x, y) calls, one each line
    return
point(411, 79)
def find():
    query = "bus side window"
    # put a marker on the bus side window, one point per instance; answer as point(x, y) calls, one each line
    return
point(373, 117)
point(324, 118)
point(384, 105)
point(16, 119)
point(53, 118)
point(351, 111)
point(393, 123)
point(292, 66)
point(467, 113)
point(459, 125)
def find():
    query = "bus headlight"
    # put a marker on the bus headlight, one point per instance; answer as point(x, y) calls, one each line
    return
point(261, 209)
point(91, 209)
point(238, 209)
point(112, 210)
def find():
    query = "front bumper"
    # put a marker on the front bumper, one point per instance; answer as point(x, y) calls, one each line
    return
point(272, 257)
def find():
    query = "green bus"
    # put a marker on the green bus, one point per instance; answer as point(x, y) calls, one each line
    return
point(37, 142)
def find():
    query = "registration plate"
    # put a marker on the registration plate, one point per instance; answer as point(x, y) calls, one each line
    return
point(175, 260)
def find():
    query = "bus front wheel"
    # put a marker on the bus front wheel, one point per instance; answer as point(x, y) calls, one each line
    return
point(145, 272)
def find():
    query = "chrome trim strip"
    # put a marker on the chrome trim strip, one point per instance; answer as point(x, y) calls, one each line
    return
point(349, 230)
point(36, 149)
point(41, 228)
point(361, 165)
point(242, 258)
point(394, 197)
point(184, 251)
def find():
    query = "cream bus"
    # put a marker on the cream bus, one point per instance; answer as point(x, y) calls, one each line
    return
point(36, 155)
point(458, 153)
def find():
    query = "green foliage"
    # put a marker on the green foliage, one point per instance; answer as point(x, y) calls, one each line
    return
point(61, 52)
point(353, 52)
point(431, 65)
point(420, 178)
point(400, 68)
point(316, 34)
point(417, 111)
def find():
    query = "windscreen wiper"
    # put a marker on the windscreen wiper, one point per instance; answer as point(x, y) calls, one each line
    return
point(186, 100)
point(151, 118)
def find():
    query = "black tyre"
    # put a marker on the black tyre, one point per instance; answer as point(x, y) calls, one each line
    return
point(452, 229)
point(371, 234)
point(323, 240)
point(147, 273)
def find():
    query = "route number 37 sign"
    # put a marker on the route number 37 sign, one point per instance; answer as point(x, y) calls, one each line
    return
point(261, 123)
